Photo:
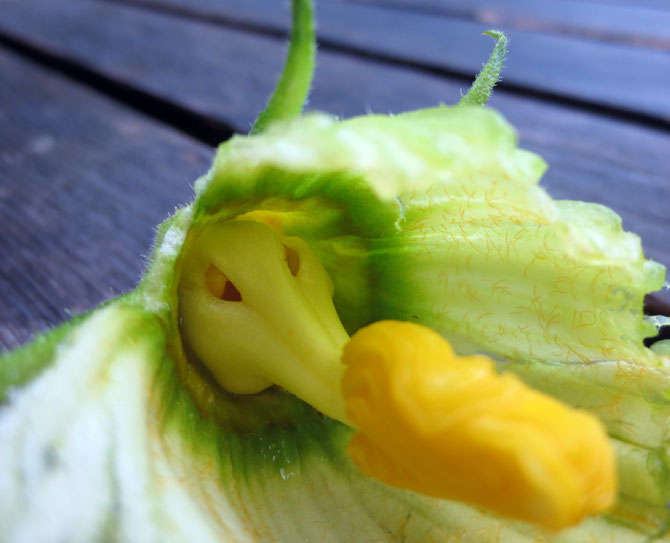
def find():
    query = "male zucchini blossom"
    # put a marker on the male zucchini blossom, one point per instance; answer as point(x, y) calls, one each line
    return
point(212, 402)
point(257, 310)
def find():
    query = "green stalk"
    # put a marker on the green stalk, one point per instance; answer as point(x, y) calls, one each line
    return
point(291, 91)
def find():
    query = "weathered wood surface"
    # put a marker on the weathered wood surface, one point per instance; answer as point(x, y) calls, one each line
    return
point(83, 182)
point(589, 70)
point(109, 158)
point(207, 68)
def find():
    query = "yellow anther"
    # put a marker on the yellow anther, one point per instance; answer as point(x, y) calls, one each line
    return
point(451, 427)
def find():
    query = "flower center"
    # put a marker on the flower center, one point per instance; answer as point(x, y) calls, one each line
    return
point(257, 310)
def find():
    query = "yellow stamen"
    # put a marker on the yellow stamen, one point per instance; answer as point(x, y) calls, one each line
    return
point(451, 427)
point(256, 308)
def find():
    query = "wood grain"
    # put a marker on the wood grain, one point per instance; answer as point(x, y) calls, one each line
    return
point(83, 182)
point(571, 67)
point(634, 25)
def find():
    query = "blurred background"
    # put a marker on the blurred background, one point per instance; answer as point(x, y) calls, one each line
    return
point(110, 109)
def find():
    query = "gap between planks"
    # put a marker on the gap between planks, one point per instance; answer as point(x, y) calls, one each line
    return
point(203, 128)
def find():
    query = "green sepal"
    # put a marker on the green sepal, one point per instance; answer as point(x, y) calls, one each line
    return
point(482, 86)
point(19, 366)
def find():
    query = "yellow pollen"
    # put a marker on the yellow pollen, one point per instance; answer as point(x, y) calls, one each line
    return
point(448, 426)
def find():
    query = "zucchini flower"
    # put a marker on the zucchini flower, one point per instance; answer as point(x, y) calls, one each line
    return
point(376, 329)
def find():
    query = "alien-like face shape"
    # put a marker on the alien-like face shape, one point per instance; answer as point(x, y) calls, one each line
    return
point(257, 309)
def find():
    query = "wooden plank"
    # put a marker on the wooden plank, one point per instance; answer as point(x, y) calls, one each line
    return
point(610, 74)
point(653, 4)
point(83, 182)
point(632, 24)
point(200, 66)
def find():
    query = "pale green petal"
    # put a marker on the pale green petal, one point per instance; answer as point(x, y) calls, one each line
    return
point(396, 155)
point(106, 445)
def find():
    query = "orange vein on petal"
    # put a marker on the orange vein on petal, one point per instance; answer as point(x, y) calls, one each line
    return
point(448, 426)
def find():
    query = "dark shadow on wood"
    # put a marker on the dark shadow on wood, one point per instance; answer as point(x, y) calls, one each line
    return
point(205, 129)
point(581, 104)
point(658, 303)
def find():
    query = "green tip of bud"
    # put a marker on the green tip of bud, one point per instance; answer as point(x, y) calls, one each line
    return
point(481, 88)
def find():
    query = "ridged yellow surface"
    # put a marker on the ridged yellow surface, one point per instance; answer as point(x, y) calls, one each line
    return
point(451, 427)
